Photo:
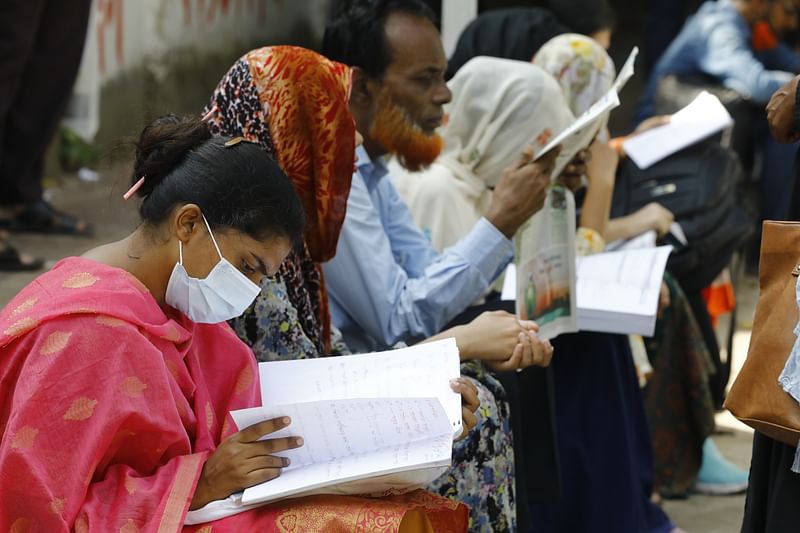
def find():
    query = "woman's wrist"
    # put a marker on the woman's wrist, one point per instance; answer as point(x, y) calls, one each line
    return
point(201, 497)
point(463, 342)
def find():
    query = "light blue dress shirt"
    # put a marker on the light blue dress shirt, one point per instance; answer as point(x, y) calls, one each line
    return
point(387, 284)
point(790, 377)
point(716, 41)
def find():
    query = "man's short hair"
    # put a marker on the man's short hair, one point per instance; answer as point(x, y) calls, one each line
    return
point(356, 35)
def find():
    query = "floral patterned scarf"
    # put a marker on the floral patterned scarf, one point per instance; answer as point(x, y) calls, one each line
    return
point(295, 104)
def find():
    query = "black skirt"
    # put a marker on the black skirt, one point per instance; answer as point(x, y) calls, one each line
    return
point(773, 496)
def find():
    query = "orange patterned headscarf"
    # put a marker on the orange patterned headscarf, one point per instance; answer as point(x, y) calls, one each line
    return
point(304, 121)
point(307, 101)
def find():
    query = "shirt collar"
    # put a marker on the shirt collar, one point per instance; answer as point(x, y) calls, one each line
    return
point(371, 170)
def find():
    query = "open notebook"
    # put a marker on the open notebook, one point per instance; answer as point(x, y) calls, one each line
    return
point(361, 417)
point(618, 292)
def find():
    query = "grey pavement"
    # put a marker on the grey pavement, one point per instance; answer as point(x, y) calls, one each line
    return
point(101, 203)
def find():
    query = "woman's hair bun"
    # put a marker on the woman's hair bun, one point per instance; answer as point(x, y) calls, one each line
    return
point(163, 145)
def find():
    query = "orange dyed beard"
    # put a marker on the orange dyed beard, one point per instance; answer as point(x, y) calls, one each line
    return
point(394, 131)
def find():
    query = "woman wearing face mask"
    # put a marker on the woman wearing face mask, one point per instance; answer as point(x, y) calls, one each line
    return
point(117, 375)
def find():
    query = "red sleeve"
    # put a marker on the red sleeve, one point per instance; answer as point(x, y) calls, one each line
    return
point(93, 432)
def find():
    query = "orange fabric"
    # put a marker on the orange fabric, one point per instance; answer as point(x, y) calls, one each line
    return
point(763, 37)
point(313, 132)
point(720, 299)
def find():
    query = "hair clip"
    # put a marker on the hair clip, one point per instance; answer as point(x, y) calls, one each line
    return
point(136, 186)
point(210, 113)
point(235, 141)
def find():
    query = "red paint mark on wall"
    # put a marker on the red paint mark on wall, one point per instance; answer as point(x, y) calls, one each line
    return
point(110, 17)
point(207, 12)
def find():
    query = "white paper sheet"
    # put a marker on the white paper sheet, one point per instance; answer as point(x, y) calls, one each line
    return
point(335, 429)
point(422, 371)
point(703, 117)
point(626, 283)
point(645, 240)
point(627, 70)
point(509, 292)
point(425, 454)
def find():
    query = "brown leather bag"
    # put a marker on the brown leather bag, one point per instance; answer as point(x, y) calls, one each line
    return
point(756, 398)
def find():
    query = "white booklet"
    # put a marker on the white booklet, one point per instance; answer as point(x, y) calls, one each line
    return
point(703, 117)
point(618, 292)
point(361, 417)
point(545, 275)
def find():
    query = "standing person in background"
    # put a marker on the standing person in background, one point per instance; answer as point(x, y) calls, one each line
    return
point(41, 44)
point(774, 489)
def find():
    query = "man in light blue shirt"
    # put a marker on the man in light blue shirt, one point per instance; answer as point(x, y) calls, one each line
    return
point(386, 283)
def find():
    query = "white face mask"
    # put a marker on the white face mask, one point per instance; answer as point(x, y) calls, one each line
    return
point(224, 294)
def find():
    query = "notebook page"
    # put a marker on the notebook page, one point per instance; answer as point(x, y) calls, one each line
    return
point(334, 429)
point(421, 371)
point(622, 282)
point(421, 456)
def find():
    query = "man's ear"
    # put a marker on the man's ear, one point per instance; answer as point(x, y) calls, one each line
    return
point(364, 90)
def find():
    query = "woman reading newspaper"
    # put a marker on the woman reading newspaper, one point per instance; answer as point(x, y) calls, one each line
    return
point(118, 372)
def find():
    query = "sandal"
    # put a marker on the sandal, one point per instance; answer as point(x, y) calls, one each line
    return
point(12, 261)
point(41, 217)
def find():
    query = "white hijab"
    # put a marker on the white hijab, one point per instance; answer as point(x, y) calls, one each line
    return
point(499, 108)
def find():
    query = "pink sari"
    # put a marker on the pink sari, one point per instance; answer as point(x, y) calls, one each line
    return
point(109, 408)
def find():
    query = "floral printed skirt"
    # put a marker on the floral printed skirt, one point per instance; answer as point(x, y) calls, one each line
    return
point(482, 475)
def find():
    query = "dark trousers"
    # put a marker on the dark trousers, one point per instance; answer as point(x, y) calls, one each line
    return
point(41, 43)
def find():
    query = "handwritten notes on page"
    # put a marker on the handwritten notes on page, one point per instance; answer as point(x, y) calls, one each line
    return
point(361, 417)
point(421, 371)
point(352, 439)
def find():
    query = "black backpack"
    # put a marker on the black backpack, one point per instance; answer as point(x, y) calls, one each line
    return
point(701, 186)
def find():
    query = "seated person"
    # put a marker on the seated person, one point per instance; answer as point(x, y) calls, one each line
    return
point(386, 283)
point(313, 140)
point(677, 350)
point(717, 41)
point(500, 109)
point(118, 374)
point(498, 102)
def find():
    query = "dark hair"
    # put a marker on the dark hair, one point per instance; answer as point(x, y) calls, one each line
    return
point(356, 35)
point(237, 187)
point(584, 16)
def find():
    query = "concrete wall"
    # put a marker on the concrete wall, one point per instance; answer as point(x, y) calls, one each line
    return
point(144, 58)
